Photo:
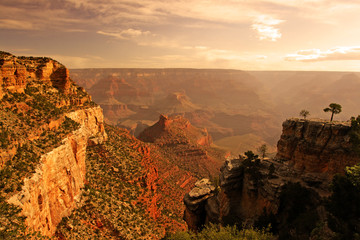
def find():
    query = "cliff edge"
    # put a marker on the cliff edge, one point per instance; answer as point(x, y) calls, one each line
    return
point(296, 192)
point(317, 146)
point(46, 124)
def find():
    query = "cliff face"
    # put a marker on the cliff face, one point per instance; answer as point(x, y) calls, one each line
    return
point(46, 124)
point(254, 191)
point(16, 72)
point(319, 147)
point(242, 198)
point(34, 95)
point(55, 188)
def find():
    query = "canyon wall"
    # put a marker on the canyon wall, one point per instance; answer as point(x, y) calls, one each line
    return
point(317, 146)
point(55, 188)
point(309, 154)
point(16, 72)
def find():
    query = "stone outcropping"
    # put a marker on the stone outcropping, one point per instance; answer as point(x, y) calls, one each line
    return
point(316, 146)
point(309, 154)
point(201, 205)
point(55, 188)
point(16, 72)
point(188, 144)
point(174, 127)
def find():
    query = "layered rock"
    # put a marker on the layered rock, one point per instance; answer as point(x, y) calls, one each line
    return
point(317, 146)
point(225, 102)
point(176, 129)
point(309, 154)
point(189, 145)
point(55, 188)
point(16, 72)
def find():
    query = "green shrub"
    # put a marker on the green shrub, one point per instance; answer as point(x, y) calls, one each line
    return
point(355, 134)
point(215, 232)
point(344, 205)
point(70, 125)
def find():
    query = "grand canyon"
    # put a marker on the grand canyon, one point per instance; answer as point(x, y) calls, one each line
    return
point(173, 150)
point(179, 120)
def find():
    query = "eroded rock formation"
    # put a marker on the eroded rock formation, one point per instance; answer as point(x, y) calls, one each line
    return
point(199, 204)
point(317, 146)
point(54, 190)
point(189, 145)
point(309, 154)
point(16, 72)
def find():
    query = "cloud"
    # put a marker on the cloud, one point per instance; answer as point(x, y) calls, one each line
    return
point(126, 34)
point(15, 24)
point(265, 27)
point(334, 54)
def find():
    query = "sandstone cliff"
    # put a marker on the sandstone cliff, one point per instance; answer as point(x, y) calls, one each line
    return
point(46, 122)
point(34, 95)
point(16, 72)
point(317, 146)
point(54, 190)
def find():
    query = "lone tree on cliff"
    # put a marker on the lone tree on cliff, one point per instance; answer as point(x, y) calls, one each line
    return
point(334, 108)
point(304, 113)
point(262, 150)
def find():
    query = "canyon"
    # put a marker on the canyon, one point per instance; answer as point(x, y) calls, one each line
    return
point(63, 169)
point(66, 173)
point(213, 99)
point(253, 191)
point(241, 109)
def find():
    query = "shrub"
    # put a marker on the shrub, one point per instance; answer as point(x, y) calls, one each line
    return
point(215, 232)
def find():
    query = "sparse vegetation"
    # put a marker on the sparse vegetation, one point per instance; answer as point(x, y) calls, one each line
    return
point(215, 232)
point(263, 150)
point(355, 134)
point(334, 108)
point(304, 113)
point(117, 197)
point(344, 206)
point(251, 166)
point(26, 134)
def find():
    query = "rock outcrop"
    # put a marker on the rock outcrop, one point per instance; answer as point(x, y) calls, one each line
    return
point(177, 129)
point(55, 188)
point(189, 145)
point(309, 154)
point(201, 205)
point(16, 72)
point(317, 146)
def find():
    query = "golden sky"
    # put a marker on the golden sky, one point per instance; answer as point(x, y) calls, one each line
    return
point(321, 35)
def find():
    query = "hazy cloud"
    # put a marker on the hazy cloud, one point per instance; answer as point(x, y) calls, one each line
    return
point(235, 33)
point(312, 55)
point(15, 24)
point(266, 28)
point(126, 34)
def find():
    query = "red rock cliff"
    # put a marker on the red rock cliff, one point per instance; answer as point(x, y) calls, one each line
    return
point(16, 72)
point(316, 146)
point(54, 189)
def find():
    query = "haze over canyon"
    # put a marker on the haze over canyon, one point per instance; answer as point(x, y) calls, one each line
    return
point(240, 109)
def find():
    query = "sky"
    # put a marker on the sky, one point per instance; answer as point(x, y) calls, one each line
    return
point(319, 35)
